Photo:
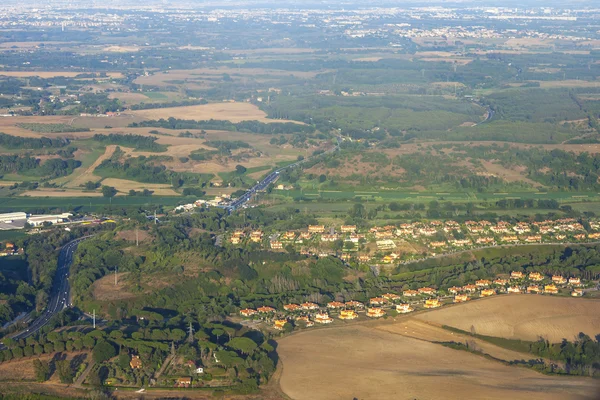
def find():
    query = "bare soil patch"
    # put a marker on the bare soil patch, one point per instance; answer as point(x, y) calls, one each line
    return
point(525, 317)
point(361, 362)
point(515, 174)
point(51, 74)
point(22, 369)
point(104, 289)
point(125, 186)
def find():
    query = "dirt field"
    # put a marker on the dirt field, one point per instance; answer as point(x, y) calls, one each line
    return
point(234, 112)
point(523, 317)
point(509, 175)
point(125, 186)
point(22, 370)
point(366, 363)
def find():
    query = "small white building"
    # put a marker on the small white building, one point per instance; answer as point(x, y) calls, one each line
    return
point(37, 220)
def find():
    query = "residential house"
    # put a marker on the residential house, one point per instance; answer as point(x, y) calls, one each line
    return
point(514, 289)
point(470, 288)
point(510, 238)
point(235, 239)
point(256, 236)
point(248, 312)
point(316, 228)
point(305, 319)
point(577, 293)
point(594, 235)
point(516, 275)
point(266, 309)
point(533, 289)
point(329, 238)
point(432, 303)
point(305, 235)
point(289, 235)
point(461, 298)
point(437, 245)
point(292, 307)
point(391, 296)
point(536, 277)
point(183, 382)
point(559, 280)
point(385, 244)
point(348, 228)
point(575, 281)
point(533, 238)
point(500, 281)
point(309, 306)
point(482, 283)
point(323, 318)
point(427, 290)
point(552, 289)
point(354, 304)
point(454, 290)
point(485, 240)
point(410, 293)
point(375, 312)
point(276, 245)
point(487, 292)
point(404, 308)
point(348, 314)
point(377, 301)
point(335, 304)
point(580, 236)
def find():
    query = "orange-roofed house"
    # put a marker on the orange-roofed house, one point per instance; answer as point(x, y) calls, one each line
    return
point(354, 304)
point(289, 235)
point(470, 288)
point(536, 276)
point(377, 301)
point(276, 245)
point(482, 283)
point(375, 312)
point(248, 312)
point(310, 306)
point(500, 282)
point(514, 289)
point(577, 293)
point(265, 309)
point(316, 228)
point(487, 292)
point(348, 314)
point(461, 298)
point(391, 296)
point(533, 289)
point(575, 281)
point(183, 382)
point(410, 293)
point(335, 304)
point(235, 240)
point(559, 280)
point(432, 303)
point(404, 308)
point(256, 236)
point(323, 318)
point(552, 289)
point(291, 307)
point(279, 324)
point(454, 290)
point(348, 228)
point(427, 290)
point(516, 275)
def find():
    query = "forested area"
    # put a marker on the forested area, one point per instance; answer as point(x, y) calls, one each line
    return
point(31, 166)
point(244, 126)
point(18, 142)
point(138, 142)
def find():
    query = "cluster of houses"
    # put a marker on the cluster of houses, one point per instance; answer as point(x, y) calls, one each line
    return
point(435, 236)
point(216, 202)
point(310, 313)
point(9, 249)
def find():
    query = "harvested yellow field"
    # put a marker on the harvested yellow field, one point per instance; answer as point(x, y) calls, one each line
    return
point(234, 112)
point(568, 83)
point(124, 186)
point(51, 74)
point(525, 317)
point(361, 362)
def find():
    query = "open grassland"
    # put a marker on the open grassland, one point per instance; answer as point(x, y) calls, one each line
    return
point(366, 363)
point(525, 317)
point(86, 173)
point(104, 289)
point(234, 112)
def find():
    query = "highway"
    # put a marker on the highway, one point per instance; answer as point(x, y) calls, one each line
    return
point(272, 177)
point(59, 294)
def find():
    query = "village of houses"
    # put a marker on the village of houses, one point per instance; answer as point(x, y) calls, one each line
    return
point(417, 240)
point(308, 314)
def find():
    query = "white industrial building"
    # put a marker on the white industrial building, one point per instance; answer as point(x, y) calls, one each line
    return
point(11, 217)
point(37, 220)
point(17, 220)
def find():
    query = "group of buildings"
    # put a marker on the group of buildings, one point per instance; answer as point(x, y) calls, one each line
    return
point(18, 220)
point(431, 238)
point(310, 313)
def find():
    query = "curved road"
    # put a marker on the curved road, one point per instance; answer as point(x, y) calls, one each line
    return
point(59, 294)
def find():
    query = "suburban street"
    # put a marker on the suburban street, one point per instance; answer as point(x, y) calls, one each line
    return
point(59, 294)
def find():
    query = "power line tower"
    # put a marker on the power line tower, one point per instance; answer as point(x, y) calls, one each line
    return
point(191, 333)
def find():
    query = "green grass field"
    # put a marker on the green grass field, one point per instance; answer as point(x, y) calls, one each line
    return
point(85, 204)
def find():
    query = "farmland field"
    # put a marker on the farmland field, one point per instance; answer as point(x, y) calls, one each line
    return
point(366, 363)
point(525, 317)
